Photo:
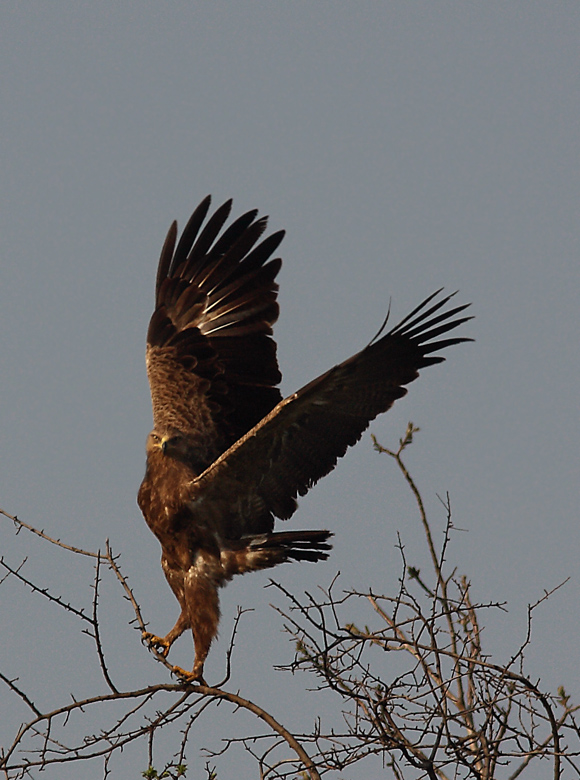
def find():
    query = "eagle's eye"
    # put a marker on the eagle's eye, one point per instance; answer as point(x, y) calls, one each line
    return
point(154, 439)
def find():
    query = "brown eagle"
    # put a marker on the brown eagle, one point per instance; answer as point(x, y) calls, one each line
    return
point(227, 455)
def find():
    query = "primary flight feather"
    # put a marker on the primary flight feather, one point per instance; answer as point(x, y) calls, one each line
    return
point(227, 455)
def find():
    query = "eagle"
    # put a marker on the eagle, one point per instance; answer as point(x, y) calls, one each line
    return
point(227, 454)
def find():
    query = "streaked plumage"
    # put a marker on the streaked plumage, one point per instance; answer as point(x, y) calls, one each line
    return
point(227, 455)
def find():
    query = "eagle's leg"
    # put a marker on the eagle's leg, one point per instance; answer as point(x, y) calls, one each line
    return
point(201, 596)
point(163, 644)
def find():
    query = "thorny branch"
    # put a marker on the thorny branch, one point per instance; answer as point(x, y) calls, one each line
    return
point(20, 525)
point(441, 708)
point(448, 710)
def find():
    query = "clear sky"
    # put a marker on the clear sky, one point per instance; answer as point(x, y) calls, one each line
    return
point(404, 147)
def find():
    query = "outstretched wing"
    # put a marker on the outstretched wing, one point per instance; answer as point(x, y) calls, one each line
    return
point(211, 360)
point(303, 437)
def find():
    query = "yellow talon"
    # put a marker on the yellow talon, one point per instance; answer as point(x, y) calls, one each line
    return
point(188, 677)
point(159, 643)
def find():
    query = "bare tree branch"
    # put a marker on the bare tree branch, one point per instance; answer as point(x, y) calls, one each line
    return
point(443, 710)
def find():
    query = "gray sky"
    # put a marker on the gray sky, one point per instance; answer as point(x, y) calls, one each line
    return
point(404, 147)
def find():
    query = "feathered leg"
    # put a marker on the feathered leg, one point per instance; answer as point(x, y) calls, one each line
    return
point(175, 578)
point(203, 614)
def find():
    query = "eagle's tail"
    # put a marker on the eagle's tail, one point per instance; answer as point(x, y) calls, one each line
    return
point(294, 545)
point(263, 551)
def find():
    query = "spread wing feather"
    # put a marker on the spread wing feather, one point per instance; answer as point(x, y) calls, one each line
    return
point(211, 360)
point(302, 438)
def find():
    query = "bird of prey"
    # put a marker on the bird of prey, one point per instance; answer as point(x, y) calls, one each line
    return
point(227, 455)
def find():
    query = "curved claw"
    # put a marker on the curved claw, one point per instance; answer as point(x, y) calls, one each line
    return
point(189, 677)
point(161, 644)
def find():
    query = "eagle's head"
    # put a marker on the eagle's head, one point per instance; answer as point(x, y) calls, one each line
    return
point(170, 445)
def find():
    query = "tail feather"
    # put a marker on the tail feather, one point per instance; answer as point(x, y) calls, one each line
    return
point(262, 551)
point(293, 545)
